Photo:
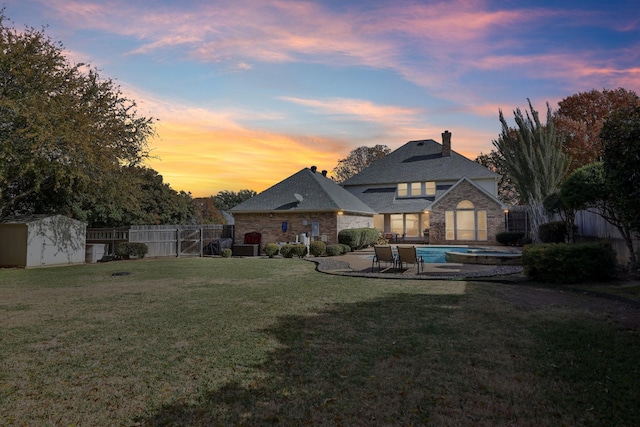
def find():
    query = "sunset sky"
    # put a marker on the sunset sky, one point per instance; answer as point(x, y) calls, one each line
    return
point(250, 92)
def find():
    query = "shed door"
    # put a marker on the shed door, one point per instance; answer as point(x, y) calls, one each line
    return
point(13, 245)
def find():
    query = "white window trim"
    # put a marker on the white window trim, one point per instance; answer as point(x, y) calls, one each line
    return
point(476, 230)
point(408, 190)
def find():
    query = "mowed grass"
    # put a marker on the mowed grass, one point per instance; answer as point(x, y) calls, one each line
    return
point(203, 341)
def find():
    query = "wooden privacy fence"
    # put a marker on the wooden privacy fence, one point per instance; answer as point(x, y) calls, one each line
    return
point(163, 240)
point(590, 224)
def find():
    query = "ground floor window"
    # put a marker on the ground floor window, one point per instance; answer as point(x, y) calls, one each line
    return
point(378, 222)
point(412, 225)
point(408, 224)
point(465, 222)
point(397, 223)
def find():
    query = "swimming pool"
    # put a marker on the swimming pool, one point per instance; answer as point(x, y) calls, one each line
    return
point(469, 255)
point(435, 254)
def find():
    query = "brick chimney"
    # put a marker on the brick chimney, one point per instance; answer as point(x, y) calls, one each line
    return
point(446, 143)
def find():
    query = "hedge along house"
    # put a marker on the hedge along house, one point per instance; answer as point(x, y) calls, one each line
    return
point(306, 202)
point(424, 191)
point(41, 241)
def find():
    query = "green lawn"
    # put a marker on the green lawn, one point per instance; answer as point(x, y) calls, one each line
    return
point(271, 341)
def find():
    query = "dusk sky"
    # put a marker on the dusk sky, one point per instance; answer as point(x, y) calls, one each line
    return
point(250, 92)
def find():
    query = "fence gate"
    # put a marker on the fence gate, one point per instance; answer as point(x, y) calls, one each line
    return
point(190, 242)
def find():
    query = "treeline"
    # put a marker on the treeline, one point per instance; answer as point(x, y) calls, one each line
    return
point(71, 143)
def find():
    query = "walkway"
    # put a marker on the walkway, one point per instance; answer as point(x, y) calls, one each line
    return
point(358, 264)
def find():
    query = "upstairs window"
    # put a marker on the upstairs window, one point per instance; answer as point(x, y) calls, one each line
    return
point(430, 188)
point(403, 190)
point(416, 189)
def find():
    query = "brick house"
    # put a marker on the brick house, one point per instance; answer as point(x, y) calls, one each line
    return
point(424, 191)
point(421, 192)
point(306, 202)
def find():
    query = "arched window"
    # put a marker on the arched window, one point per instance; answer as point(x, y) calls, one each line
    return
point(465, 222)
point(465, 204)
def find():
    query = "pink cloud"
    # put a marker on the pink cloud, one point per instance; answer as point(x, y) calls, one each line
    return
point(363, 109)
point(453, 37)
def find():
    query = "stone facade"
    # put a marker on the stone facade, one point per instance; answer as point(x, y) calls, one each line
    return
point(465, 191)
point(354, 221)
point(271, 228)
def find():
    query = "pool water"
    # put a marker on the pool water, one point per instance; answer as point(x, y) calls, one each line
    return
point(435, 254)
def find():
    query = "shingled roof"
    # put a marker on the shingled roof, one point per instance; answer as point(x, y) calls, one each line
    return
point(418, 161)
point(317, 193)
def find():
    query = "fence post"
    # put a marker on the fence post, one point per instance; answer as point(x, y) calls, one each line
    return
point(178, 245)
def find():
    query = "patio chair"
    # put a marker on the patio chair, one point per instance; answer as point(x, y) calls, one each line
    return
point(384, 254)
point(409, 255)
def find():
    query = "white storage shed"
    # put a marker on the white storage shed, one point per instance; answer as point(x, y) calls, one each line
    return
point(42, 240)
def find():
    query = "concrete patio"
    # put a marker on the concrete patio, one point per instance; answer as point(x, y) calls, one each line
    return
point(359, 263)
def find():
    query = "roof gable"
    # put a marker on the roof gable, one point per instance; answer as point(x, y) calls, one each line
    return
point(306, 190)
point(479, 188)
point(418, 161)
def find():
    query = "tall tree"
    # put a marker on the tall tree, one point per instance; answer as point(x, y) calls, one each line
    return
point(358, 159)
point(206, 211)
point(157, 202)
point(136, 195)
point(556, 205)
point(588, 188)
point(226, 199)
point(534, 159)
point(64, 131)
point(580, 118)
point(507, 191)
point(621, 138)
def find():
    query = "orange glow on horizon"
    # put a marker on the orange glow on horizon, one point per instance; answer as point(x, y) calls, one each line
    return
point(205, 161)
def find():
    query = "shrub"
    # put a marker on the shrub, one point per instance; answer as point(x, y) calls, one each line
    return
point(510, 238)
point(358, 238)
point(126, 250)
point(300, 250)
point(552, 232)
point(226, 253)
point(317, 248)
point(569, 263)
point(344, 248)
point(350, 237)
point(287, 250)
point(271, 249)
point(334, 250)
